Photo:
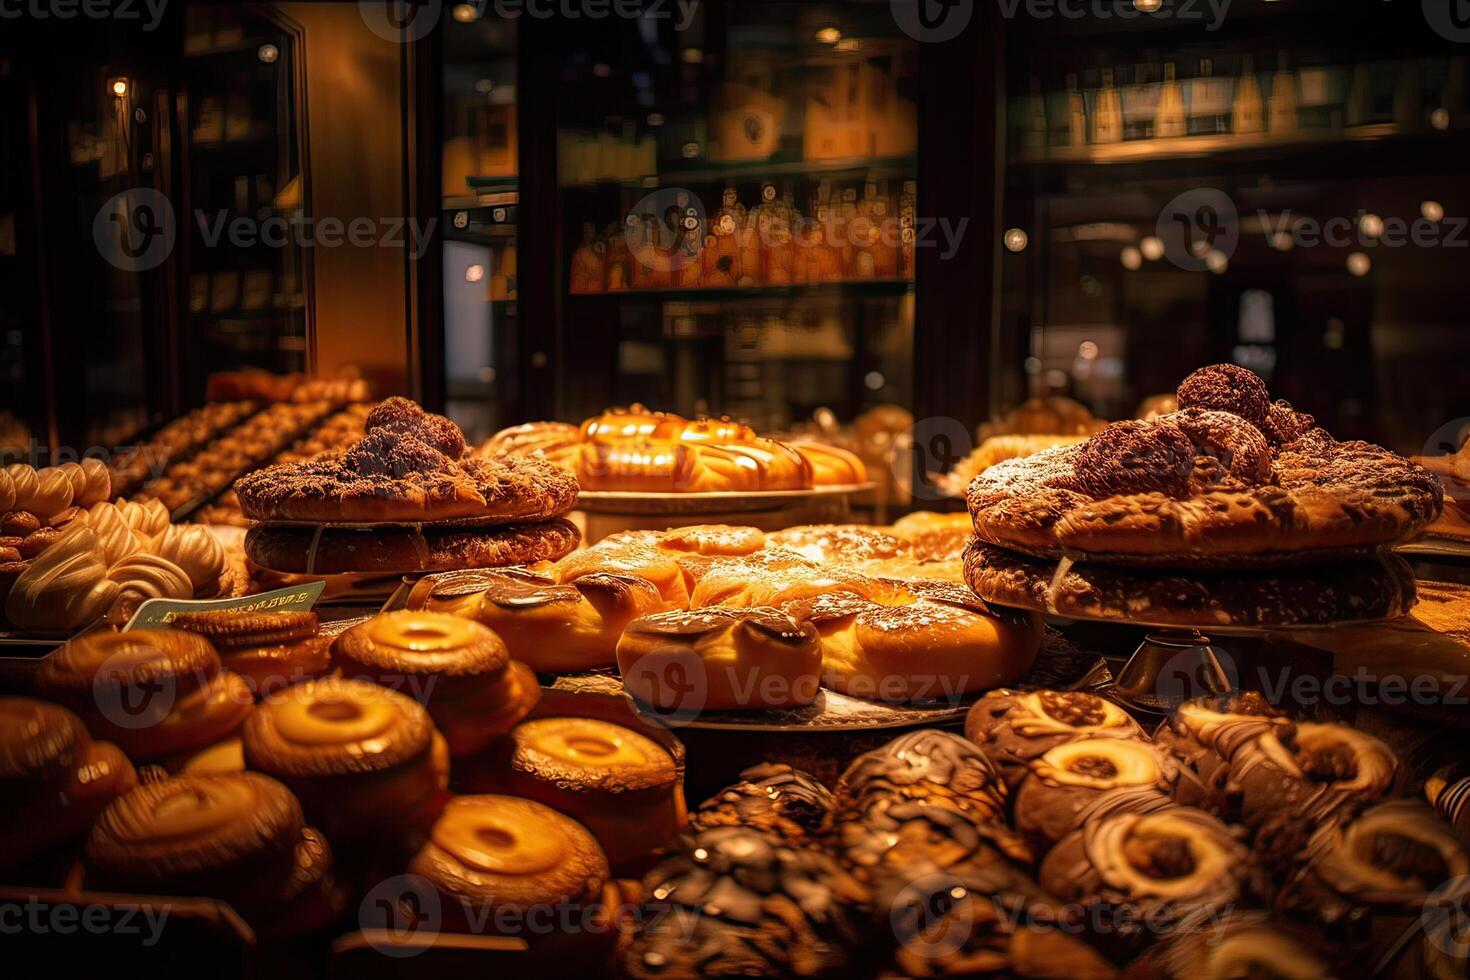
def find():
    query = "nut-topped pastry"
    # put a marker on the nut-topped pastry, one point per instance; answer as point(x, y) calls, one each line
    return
point(1074, 782)
point(773, 798)
point(1137, 874)
point(735, 903)
point(409, 467)
point(1015, 727)
point(1205, 487)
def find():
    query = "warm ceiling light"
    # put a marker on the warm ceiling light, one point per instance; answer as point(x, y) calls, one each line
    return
point(1440, 119)
point(474, 273)
point(1358, 264)
point(1131, 258)
point(1216, 261)
point(655, 119)
point(1015, 239)
point(268, 53)
point(1282, 241)
point(1432, 210)
point(1148, 6)
point(1152, 248)
point(829, 35)
point(465, 13)
point(119, 87)
point(1371, 225)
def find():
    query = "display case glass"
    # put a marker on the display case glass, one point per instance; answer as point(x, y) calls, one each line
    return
point(1280, 189)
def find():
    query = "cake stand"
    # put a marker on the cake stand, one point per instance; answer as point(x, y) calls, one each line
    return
point(607, 512)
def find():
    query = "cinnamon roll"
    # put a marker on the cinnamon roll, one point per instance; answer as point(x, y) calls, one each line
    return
point(54, 780)
point(155, 693)
point(239, 837)
point(1136, 876)
point(1076, 782)
point(621, 785)
point(1014, 728)
point(1205, 733)
point(736, 903)
point(457, 668)
point(363, 760)
point(1298, 775)
point(1243, 944)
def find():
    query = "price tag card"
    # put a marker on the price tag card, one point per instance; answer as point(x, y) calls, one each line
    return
point(160, 613)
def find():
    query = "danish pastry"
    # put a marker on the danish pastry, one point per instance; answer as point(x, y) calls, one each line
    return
point(1017, 727)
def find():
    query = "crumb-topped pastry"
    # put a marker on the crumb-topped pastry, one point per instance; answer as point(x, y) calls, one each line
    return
point(410, 467)
point(1230, 478)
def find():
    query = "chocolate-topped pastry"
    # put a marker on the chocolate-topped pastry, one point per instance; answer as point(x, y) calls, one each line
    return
point(1204, 733)
point(895, 832)
point(1301, 774)
point(1226, 388)
point(1285, 424)
point(1076, 782)
point(1375, 879)
point(929, 766)
point(1242, 944)
point(773, 798)
point(1139, 875)
point(978, 918)
point(735, 902)
point(1015, 727)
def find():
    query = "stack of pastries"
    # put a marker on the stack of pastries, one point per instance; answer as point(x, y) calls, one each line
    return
point(407, 497)
point(1233, 511)
point(748, 619)
point(636, 450)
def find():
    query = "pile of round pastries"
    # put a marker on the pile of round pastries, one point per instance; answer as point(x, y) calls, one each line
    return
point(407, 497)
point(1233, 511)
point(713, 617)
point(633, 449)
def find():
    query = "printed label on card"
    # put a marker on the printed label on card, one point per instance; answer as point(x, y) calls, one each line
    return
point(156, 614)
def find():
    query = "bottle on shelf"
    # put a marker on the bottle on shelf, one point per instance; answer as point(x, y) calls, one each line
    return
point(826, 262)
point(1249, 113)
point(652, 259)
point(720, 259)
point(618, 261)
point(1075, 133)
point(885, 227)
point(752, 238)
point(1033, 125)
point(690, 265)
point(1408, 97)
point(1107, 112)
point(1208, 106)
point(1169, 119)
point(1281, 112)
point(1140, 104)
point(908, 233)
point(589, 270)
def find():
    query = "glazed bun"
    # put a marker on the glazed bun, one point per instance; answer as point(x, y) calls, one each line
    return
point(832, 465)
point(692, 467)
point(709, 659)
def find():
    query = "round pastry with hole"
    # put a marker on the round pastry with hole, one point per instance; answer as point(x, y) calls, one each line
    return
point(1242, 944)
point(364, 761)
point(918, 641)
point(1205, 487)
point(499, 864)
point(1296, 776)
point(54, 780)
point(554, 628)
point(155, 693)
point(712, 659)
point(457, 668)
point(409, 467)
point(621, 785)
point(406, 550)
point(1136, 875)
point(240, 837)
point(1077, 781)
point(1014, 728)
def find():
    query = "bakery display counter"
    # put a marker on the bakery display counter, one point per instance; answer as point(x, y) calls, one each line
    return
point(815, 750)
